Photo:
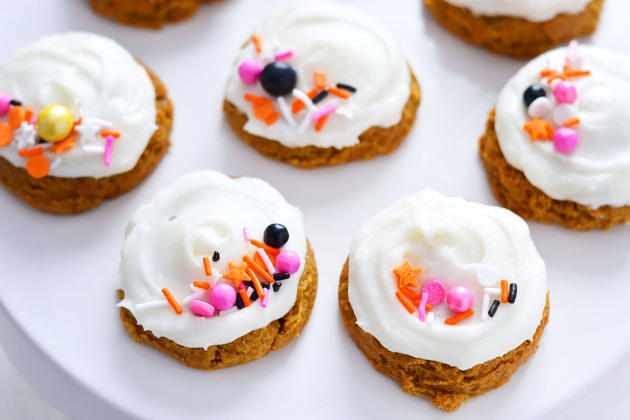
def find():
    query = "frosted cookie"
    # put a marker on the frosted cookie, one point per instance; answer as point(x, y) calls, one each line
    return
point(520, 28)
point(321, 84)
point(216, 271)
point(147, 13)
point(446, 296)
point(557, 147)
point(81, 120)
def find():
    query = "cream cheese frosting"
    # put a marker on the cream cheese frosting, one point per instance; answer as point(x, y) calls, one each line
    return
point(459, 243)
point(597, 172)
point(349, 48)
point(99, 81)
point(532, 10)
point(167, 238)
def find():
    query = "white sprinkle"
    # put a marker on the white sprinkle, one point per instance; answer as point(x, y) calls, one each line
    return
point(246, 234)
point(94, 149)
point(306, 122)
point(492, 291)
point(286, 112)
point(55, 163)
point(266, 260)
point(152, 304)
point(485, 306)
point(304, 98)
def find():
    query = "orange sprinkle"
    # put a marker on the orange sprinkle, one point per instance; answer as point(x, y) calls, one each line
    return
point(201, 284)
point(74, 125)
point(258, 260)
point(37, 166)
point(571, 122)
point(297, 105)
point(571, 72)
point(263, 108)
point(319, 78)
point(28, 114)
point(114, 134)
point(546, 73)
point(339, 92)
point(206, 266)
point(257, 285)
point(428, 307)
point(408, 306)
point(6, 134)
point(320, 123)
point(410, 293)
point(63, 145)
point(257, 43)
point(459, 317)
point(258, 269)
point(504, 291)
point(254, 98)
point(16, 116)
point(176, 307)
point(31, 152)
point(267, 248)
point(272, 118)
point(556, 76)
point(245, 298)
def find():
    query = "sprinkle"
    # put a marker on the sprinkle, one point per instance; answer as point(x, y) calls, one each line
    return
point(276, 285)
point(323, 112)
point(267, 248)
point(63, 145)
point(320, 123)
point(243, 285)
point(422, 312)
point(306, 122)
point(504, 291)
point(320, 96)
point(272, 118)
point(206, 266)
point(344, 94)
point(246, 234)
point(319, 79)
point(28, 115)
point(244, 298)
point(254, 98)
point(6, 134)
point(253, 297)
point(539, 129)
point(114, 134)
point(16, 116)
point(258, 269)
point(459, 317)
point(571, 122)
point(37, 166)
point(264, 300)
point(55, 163)
point(412, 294)
point(555, 76)
point(256, 282)
point(263, 109)
point(239, 299)
point(571, 51)
point(512, 293)
point(485, 306)
point(172, 301)
point(152, 304)
point(284, 109)
point(15, 102)
point(302, 99)
point(257, 43)
point(31, 152)
point(265, 258)
point(492, 291)
point(237, 273)
point(410, 308)
point(216, 256)
point(108, 150)
point(406, 275)
point(284, 55)
point(201, 284)
point(346, 87)
point(494, 307)
point(281, 276)
point(93, 149)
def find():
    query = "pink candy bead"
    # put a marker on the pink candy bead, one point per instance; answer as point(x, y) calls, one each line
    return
point(5, 104)
point(249, 71)
point(565, 92)
point(201, 308)
point(222, 296)
point(459, 299)
point(288, 261)
point(436, 291)
point(565, 139)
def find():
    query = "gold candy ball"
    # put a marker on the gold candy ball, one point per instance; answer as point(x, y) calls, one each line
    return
point(55, 123)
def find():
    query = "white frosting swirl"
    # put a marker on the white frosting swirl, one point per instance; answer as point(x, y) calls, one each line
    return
point(350, 48)
point(167, 238)
point(532, 10)
point(597, 172)
point(456, 242)
point(94, 77)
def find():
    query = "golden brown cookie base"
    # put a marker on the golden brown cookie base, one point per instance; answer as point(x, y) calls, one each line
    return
point(251, 346)
point(447, 387)
point(76, 195)
point(513, 191)
point(515, 36)
point(147, 13)
point(373, 142)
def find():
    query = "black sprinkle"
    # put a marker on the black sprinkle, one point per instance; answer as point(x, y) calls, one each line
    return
point(281, 276)
point(41, 141)
point(265, 284)
point(254, 296)
point(512, 293)
point(15, 102)
point(494, 307)
point(346, 87)
point(216, 256)
point(276, 285)
point(320, 96)
point(249, 283)
point(239, 301)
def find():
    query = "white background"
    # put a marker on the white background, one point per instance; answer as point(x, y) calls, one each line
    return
point(58, 320)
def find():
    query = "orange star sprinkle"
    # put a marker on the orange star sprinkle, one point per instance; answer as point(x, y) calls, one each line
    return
point(236, 273)
point(407, 275)
point(539, 129)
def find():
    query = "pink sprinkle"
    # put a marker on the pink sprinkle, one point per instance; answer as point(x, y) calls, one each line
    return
point(241, 286)
point(246, 234)
point(109, 145)
point(422, 307)
point(34, 121)
point(263, 301)
point(263, 255)
point(201, 308)
point(571, 51)
point(283, 55)
point(323, 112)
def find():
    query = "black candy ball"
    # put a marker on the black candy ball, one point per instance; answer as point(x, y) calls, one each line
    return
point(276, 235)
point(532, 93)
point(278, 78)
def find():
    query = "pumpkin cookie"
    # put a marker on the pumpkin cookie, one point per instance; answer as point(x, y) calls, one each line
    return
point(81, 121)
point(216, 271)
point(447, 297)
point(321, 84)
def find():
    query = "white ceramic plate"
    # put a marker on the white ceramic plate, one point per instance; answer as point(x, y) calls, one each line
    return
point(58, 319)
